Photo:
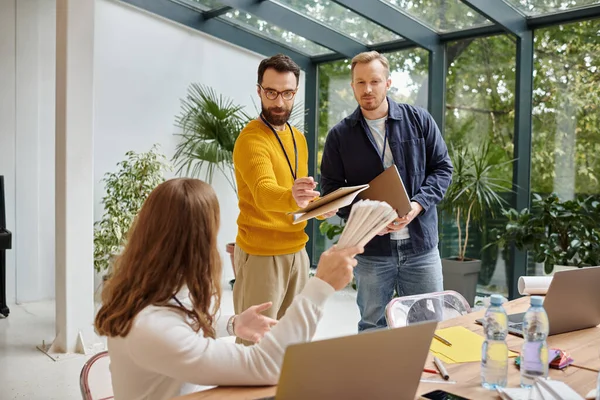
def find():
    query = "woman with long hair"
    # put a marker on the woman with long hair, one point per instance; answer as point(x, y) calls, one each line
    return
point(160, 306)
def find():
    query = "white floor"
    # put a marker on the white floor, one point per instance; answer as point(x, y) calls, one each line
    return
point(27, 373)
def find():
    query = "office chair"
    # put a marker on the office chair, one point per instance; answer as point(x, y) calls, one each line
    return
point(438, 306)
point(95, 381)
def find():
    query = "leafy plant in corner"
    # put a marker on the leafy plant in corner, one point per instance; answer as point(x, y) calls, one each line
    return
point(210, 124)
point(476, 184)
point(126, 190)
point(555, 232)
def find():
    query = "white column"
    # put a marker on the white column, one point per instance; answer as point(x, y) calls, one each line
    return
point(74, 176)
point(7, 128)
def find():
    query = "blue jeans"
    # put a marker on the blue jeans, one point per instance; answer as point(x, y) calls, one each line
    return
point(404, 271)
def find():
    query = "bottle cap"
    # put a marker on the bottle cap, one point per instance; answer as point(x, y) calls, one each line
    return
point(537, 301)
point(496, 300)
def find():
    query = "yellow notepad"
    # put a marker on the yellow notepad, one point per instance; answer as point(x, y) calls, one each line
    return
point(466, 345)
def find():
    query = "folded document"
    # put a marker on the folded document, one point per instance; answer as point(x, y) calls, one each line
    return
point(542, 389)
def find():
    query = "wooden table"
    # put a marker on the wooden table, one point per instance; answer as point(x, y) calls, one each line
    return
point(583, 346)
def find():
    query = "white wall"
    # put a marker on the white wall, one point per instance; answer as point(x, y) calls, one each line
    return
point(7, 127)
point(143, 66)
point(27, 107)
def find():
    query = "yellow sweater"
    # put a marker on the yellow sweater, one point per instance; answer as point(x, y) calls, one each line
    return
point(264, 183)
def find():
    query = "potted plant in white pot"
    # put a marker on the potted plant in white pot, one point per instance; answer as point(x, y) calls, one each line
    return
point(210, 124)
point(126, 190)
point(476, 183)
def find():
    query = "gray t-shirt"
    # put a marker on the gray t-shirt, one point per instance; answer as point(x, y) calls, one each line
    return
point(377, 127)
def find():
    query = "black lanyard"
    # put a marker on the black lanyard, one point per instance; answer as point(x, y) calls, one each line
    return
point(294, 171)
point(384, 140)
point(384, 144)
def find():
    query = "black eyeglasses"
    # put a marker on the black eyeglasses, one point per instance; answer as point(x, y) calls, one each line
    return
point(273, 94)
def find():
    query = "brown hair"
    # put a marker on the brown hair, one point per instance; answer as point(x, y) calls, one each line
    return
point(368, 56)
point(172, 244)
point(280, 63)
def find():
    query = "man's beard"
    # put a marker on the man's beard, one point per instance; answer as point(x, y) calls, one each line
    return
point(276, 119)
point(375, 103)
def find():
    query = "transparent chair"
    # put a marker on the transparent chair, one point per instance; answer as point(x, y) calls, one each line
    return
point(95, 381)
point(438, 306)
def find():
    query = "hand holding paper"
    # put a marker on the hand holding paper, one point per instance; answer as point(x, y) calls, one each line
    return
point(367, 218)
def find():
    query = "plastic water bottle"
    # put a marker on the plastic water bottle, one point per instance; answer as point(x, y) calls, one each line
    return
point(494, 352)
point(534, 355)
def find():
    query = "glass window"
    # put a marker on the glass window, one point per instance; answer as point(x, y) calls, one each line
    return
point(441, 15)
point(566, 117)
point(271, 31)
point(409, 73)
point(480, 99)
point(342, 19)
point(539, 7)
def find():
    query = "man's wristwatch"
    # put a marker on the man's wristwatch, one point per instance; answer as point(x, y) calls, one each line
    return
point(230, 326)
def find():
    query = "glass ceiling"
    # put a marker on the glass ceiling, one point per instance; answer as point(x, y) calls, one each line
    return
point(270, 31)
point(439, 16)
point(341, 19)
point(541, 7)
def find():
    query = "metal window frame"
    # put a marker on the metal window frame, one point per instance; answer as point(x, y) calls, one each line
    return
point(301, 25)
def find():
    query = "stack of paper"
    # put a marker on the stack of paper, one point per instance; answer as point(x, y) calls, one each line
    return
point(367, 218)
point(543, 389)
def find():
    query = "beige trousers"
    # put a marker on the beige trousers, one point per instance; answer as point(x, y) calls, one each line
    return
point(260, 279)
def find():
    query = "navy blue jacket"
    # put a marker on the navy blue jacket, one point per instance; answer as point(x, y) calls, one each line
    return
point(351, 157)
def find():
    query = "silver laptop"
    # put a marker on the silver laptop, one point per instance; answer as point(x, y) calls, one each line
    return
point(381, 364)
point(572, 302)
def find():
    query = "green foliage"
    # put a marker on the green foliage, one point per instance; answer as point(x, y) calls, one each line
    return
point(126, 191)
point(210, 124)
point(331, 231)
point(474, 188)
point(556, 232)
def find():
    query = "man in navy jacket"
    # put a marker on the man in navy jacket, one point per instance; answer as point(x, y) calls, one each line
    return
point(379, 133)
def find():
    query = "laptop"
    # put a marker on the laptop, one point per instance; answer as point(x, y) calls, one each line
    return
point(572, 302)
point(388, 187)
point(381, 364)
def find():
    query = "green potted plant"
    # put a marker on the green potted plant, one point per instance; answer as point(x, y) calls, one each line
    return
point(126, 190)
point(477, 182)
point(210, 124)
point(557, 233)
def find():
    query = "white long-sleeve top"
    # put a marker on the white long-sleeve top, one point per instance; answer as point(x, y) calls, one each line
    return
point(163, 357)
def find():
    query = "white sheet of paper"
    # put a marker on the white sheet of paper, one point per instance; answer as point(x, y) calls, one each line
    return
point(534, 285)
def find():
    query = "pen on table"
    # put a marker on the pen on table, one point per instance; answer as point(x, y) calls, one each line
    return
point(440, 366)
point(441, 339)
point(431, 371)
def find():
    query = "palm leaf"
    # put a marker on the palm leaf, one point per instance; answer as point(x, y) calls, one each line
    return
point(210, 124)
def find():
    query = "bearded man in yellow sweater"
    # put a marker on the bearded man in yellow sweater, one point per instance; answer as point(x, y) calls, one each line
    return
point(271, 167)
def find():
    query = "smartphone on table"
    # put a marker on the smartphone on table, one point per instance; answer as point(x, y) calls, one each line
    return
point(441, 395)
